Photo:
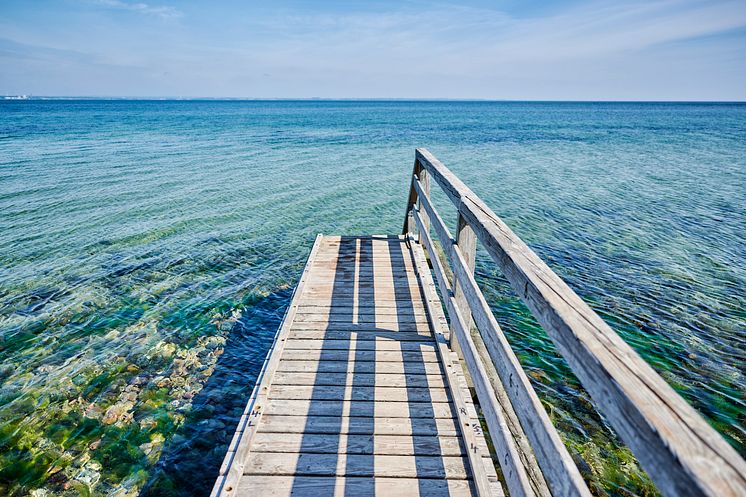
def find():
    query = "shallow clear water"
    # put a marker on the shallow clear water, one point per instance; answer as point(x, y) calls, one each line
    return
point(149, 249)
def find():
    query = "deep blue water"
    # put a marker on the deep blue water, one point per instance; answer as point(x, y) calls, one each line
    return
point(149, 248)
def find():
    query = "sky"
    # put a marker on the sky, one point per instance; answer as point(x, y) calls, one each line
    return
point(472, 49)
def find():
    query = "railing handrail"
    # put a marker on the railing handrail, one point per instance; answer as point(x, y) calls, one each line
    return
point(681, 453)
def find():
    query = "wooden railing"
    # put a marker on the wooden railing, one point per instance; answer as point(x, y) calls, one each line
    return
point(681, 453)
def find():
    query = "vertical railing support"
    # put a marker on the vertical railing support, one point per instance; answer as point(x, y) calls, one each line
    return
point(409, 224)
point(467, 243)
point(425, 182)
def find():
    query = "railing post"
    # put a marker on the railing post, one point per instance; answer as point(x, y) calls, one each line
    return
point(425, 181)
point(409, 224)
point(467, 243)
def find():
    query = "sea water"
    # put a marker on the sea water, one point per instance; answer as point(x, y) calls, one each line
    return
point(149, 249)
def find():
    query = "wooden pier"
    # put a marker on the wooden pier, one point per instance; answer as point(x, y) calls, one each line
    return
point(365, 390)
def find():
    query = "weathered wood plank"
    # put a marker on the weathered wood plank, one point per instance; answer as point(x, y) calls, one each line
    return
point(362, 309)
point(342, 366)
point(340, 393)
point(344, 265)
point(376, 409)
point(359, 343)
point(380, 357)
point(349, 295)
point(267, 463)
point(359, 276)
point(361, 327)
point(317, 486)
point(358, 379)
point(363, 304)
point(382, 286)
point(466, 241)
point(359, 444)
point(379, 334)
point(405, 317)
point(358, 425)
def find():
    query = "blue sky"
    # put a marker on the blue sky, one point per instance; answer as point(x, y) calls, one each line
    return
point(574, 50)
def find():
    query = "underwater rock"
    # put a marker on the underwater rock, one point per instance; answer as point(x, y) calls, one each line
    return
point(147, 423)
point(90, 474)
point(93, 411)
point(119, 412)
point(214, 342)
point(112, 334)
point(226, 323)
point(165, 349)
point(162, 381)
point(153, 448)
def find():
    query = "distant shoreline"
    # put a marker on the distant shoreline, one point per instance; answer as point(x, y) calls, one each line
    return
point(15, 98)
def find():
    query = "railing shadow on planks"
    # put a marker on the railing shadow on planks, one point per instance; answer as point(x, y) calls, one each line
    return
point(682, 454)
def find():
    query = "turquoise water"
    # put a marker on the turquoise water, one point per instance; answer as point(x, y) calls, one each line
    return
point(149, 249)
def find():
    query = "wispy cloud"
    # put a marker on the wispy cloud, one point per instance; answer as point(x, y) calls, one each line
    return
point(588, 30)
point(652, 49)
point(162, 11)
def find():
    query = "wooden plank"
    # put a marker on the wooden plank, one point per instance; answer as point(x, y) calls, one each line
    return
point(287, 407)
point(364, 307)
point(358, 425)
point(344, 266)
point(359, 344)
point(309, 307)
point(364, 276)
point(359, 444)
point(361, 327)
point(358, 379)
point(341, 366)
point(332, 261)
point(347, 296)
point(370, 318)
point(317, 486)
point(380, 357)
point(387, 286)
point(466, 241)
point(340, 393)
point(362, 250)
point(379, 335)
point(267, 463)
point(337, 239)
point(678, 449)
point(370, 242)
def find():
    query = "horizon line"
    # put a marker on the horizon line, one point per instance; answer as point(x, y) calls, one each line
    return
point(14, 97)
